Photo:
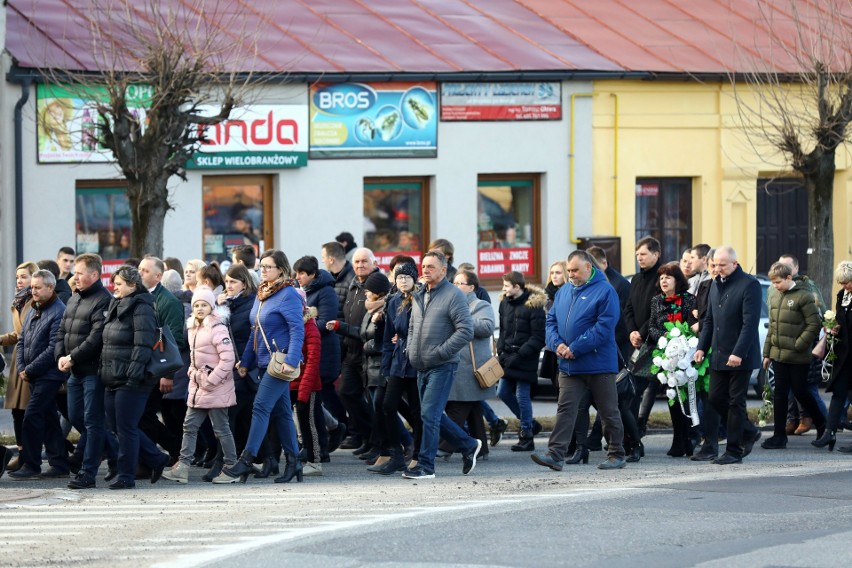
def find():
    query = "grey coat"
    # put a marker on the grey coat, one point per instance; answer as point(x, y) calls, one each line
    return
point(465, 387)
point(439, 330)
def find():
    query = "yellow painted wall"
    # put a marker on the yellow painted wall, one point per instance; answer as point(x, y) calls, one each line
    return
point(685, 129)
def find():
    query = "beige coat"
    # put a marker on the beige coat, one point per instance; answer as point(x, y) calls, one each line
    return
point(17, 391)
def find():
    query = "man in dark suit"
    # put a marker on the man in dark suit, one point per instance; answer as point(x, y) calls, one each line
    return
point(731, 329)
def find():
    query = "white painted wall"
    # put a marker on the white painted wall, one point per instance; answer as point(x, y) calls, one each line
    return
point(315, 203)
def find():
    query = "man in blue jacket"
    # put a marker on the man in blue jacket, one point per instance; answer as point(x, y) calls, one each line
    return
point(36, 365)
point(580, 329)
point(730, 328)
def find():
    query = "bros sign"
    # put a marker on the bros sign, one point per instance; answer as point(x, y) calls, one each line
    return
point(260, 136)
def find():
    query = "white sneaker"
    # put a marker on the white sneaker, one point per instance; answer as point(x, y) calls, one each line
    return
point(178, 472)
point(310, 469)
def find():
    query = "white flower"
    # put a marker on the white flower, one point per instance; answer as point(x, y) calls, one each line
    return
point(675, 332)
point(672, 350)
point(691, 373)
point(693, 342)
point(762, 423)
point(661, 344)
point(830, 315)
point(672, 382)
point(658, 361)
point(681, 378)
point(683, 364)
point(671, 393)
point(662, 378)
point(669, 365)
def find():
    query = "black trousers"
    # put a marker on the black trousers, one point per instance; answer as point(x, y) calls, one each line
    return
point(352, 396)
point(397, 388)
point(792, 376)
point(468, 415)
point(728, 391)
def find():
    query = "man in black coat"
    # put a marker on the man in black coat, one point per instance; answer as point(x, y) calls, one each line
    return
point(622, 288)
point(730, 328)
point(334, 260)
point(521, 340)
point(78, 351)
point(36, 366)
point(643, 286)
point(352, 384)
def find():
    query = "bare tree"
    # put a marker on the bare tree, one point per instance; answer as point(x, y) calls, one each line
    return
point(189, 56)
point(801, 77)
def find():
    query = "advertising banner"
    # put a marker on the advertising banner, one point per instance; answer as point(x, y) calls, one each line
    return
point(68, 121)
point(501, 101)
point(259, 136)
point(494, 263)
point(379, 120)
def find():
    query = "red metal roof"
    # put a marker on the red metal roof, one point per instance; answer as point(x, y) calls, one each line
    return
point(447, 36)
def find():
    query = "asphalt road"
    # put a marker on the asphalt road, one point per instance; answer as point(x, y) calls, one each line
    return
point(779, 508)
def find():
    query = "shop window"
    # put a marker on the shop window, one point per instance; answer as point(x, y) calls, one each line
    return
point(103, 221)
point(395, 212)
point(237, 211)
point(508, 225)
point(664, 211)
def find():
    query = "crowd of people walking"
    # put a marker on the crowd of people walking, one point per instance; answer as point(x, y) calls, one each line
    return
point(281, 365)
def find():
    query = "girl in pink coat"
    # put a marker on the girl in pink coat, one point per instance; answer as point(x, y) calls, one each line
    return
point(211, 383)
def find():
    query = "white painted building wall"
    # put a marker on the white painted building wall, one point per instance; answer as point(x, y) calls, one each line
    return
point(315, 203)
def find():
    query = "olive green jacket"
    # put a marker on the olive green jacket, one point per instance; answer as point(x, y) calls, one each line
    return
point(794, 324)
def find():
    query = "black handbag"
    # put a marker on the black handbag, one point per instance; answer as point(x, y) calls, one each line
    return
point(624, 383)
point(165, 359)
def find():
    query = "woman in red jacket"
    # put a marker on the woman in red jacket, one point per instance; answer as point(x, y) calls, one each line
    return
point(307, 389)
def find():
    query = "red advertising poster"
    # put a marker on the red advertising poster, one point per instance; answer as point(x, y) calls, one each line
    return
point(109, 266)
point(384, 258)
point(494, 263)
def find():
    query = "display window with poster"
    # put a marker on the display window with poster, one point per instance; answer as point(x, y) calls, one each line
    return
point(102, 219)
point(508, 226)
point(395, 217)
point(237, 211)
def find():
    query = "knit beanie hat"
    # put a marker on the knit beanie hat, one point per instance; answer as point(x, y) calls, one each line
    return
point(405, 268)
point(204, 293)
point(377, 283)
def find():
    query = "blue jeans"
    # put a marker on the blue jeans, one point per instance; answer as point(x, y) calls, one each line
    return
point(516, 395)
point(41, 426)
point(87, 414)
point(488, 413)
point(124, 408)
point(272, 400)
point(434, 385)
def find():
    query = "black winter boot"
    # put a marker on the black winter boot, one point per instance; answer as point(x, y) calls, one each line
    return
point(525, 442)
point(242, 468)
point(293, 468)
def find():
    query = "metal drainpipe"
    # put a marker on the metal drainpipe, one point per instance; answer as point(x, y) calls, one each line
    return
point(19, 171)
point(571, 168)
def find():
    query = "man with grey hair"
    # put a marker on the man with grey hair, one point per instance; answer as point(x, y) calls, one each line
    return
point(352, 391)
point(36, 365)
point(440, 327)
point(730, 328)
point(581, 331)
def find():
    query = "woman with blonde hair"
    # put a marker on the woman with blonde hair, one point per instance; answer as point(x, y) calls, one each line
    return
point(190, 273)
point(840, 382)
point(17, 391)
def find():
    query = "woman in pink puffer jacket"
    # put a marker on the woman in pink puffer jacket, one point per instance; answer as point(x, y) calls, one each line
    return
point(211, 383)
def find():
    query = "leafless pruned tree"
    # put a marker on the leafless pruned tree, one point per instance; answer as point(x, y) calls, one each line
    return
point(183, 58)
point(799, 104)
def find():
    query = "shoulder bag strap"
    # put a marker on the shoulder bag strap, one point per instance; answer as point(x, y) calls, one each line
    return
point(472, 358)
point(260, 327)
